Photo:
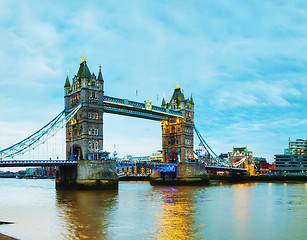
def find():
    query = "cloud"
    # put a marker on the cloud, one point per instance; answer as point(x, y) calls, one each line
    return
point(245, 64)
point(257, 93)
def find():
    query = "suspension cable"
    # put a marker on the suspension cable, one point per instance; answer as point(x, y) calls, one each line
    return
point(215, 157)
point(41, 136)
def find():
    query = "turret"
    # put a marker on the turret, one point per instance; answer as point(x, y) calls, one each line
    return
point(191, 100)
point(67, 86)
point(100, 78)
point(163, 102)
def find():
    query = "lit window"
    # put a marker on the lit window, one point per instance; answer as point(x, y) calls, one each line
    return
point(89, 132)
point(89, 115)
point(96, 115)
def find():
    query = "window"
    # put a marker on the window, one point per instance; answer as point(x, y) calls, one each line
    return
point(89, 115)
point(96, 115)
point(96, 131)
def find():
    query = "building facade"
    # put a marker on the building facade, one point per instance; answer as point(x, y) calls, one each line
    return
point(294, 158)
point(298, 147)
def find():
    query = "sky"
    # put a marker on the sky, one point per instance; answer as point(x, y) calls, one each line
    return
point(245, 62)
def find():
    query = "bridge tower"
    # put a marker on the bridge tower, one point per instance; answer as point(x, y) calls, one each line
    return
point(178, 134)
point(177, 145)
point(84, 134)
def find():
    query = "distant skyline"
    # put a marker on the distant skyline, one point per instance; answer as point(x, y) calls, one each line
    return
point(244, 62)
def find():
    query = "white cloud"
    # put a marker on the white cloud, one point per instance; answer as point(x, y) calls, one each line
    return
point(257, 93)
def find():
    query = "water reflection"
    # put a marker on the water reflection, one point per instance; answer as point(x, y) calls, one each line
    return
point(84, 214)
point(139, 211)
point(176, 213)
point(240, 209)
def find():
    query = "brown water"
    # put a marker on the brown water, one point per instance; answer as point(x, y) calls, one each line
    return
point(140, 211)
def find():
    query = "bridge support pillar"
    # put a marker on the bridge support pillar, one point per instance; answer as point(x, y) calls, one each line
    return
point(186, 174)
point(66, 177)
point(89, 175)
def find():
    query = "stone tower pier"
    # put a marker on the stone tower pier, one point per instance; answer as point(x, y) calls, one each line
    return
point(178, 145)
point(84, 135)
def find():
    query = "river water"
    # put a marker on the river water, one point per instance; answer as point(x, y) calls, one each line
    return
point(140, 211)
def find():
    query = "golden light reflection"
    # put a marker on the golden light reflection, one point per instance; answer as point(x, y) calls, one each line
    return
point(176, 215)
point(241, 206)
point(79, 211)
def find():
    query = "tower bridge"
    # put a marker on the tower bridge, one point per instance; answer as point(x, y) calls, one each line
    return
point(84, 137)
point(86, 164)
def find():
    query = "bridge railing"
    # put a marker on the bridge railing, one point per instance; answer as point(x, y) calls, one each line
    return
point(35, 163)
point(112, 99)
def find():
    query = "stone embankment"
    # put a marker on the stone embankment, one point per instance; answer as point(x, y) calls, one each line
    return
point(4, 237)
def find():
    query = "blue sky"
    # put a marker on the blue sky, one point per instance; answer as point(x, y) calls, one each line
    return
point(244, 61)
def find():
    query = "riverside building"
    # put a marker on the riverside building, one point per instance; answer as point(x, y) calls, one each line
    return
point(294, 158)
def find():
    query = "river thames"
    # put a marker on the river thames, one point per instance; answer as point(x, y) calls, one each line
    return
point(140, 211)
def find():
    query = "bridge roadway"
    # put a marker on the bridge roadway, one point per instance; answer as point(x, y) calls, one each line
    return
point(157, 166)
point(167, 167)
point(36, 163)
